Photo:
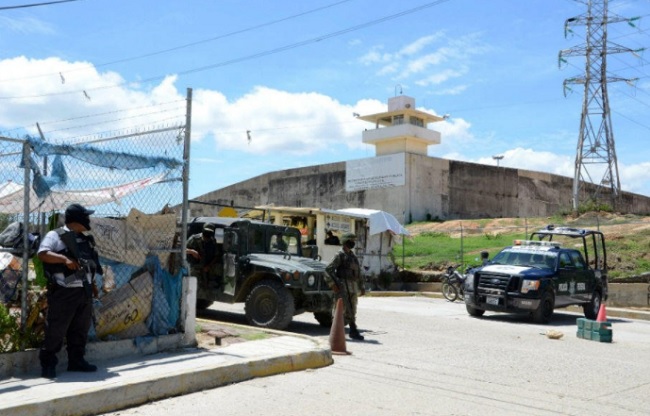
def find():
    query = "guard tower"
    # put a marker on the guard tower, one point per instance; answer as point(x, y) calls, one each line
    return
point(402, 129)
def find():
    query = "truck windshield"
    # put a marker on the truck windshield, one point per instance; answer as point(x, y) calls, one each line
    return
point(537, 259)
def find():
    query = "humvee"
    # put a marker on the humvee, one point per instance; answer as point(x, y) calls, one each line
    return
point(264, 267)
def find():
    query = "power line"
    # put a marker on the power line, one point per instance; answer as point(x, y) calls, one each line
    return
point(23, 6)
point(247, 57)
point(187, 45)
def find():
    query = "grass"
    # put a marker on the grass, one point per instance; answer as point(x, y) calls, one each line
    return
point(254, 336)
point(438, 250)
point(628, 255)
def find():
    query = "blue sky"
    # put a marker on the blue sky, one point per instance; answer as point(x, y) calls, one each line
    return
point(293, 73)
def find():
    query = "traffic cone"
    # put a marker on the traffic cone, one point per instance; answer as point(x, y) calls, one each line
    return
point(337, 332)
point(602, 314)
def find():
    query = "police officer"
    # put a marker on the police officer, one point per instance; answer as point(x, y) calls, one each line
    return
point(70, 262)
point(203, 254)
point(344, 278)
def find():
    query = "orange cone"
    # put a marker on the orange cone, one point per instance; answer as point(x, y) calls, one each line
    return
point(337, 332)
point(602, 314)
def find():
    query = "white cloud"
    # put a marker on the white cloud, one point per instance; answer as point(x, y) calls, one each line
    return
point(26, 25)
point(418, 45)
point(459, 89)
point(293, 123)
point(429, 60)
point(635, 178)
point(441, 77)
point(71, 100)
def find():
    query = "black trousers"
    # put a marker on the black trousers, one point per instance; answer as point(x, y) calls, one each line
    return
point(69, 315)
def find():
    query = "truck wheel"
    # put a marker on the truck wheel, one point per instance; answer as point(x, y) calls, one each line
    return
point(324, 319)
point(474, 312)
point(449, 292)
point(269, 305)
point(202, 304)
point(592, 308)
point(543, 313)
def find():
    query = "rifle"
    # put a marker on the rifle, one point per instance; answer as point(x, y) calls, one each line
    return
point(344, 292)
point(87, 266)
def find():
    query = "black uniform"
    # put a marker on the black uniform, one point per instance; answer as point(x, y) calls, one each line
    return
point(69, 297)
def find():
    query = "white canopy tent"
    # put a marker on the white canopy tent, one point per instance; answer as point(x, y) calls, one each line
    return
point(378, 221)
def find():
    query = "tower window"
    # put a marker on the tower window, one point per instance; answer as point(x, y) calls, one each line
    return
point(416, 121)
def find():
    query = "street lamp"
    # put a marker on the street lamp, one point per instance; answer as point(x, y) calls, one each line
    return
point(497, 158)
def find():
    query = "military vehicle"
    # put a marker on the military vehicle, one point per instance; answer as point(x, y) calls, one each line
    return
point(263, 265)
point(536, 276)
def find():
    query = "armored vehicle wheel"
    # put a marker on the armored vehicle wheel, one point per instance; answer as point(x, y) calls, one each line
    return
point(202, 304)
point(543, 313)
point(449, 291)
point(269, 305)
point(324, 319)
point(473, 311)
point(591, 309)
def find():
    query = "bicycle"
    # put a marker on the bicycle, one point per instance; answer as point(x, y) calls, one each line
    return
point(452, 284)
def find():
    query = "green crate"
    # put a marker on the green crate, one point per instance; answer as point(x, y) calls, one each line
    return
point(589, 325)
point(600, 332)
point(601, 337)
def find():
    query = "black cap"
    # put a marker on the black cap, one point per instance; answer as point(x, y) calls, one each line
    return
point(209, 228)
point(76, 212)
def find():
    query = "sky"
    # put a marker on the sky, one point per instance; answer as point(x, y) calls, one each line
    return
point(275, 84)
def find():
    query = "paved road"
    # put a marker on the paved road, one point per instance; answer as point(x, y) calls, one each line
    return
point(426, 356)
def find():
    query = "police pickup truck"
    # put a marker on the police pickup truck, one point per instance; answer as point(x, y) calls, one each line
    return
point(538, 275)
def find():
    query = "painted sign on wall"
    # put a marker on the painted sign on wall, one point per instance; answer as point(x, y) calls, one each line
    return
point(375, 173)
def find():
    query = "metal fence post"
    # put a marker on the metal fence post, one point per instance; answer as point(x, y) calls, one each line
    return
point(462, 249)
point(25, 266)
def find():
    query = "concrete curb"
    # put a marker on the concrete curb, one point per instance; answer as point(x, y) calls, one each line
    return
point(186, 372)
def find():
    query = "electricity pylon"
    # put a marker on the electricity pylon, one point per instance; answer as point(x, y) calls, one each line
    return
point(596, 141)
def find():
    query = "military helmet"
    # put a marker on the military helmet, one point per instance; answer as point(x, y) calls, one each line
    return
point(347, 237)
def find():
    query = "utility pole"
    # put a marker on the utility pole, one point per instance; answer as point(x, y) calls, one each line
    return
point(596, 140)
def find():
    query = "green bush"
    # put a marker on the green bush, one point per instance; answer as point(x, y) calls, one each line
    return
point(12, 337)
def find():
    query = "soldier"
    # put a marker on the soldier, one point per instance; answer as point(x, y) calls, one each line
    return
point(344, 278)
point(204, 254)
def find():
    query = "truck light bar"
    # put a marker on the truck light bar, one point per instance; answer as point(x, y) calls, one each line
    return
point(536, 243)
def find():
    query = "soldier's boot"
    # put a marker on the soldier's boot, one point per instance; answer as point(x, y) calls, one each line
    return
point(79, 364)
point(354, 332)
point(76, 361)
point(48, 364)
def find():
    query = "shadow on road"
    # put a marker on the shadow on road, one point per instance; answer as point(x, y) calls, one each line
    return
point(299, 327)
point(559, 318)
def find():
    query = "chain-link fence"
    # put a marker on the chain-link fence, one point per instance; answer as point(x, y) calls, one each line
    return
point(130, 179)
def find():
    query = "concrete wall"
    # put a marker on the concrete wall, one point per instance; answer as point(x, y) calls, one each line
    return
point(435, 188)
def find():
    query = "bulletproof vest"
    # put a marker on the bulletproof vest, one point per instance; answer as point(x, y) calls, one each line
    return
point(349, 267)
point(79, 247)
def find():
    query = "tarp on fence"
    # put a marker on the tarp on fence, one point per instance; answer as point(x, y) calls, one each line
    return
point(11, 196)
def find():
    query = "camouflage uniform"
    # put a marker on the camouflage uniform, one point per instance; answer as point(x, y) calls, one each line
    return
point(206, 268)
point(345, 267)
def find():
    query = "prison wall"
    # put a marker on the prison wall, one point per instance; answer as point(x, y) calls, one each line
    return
point(434, 188)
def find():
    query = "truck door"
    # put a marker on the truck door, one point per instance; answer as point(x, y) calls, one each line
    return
point(564, 279)
point(584, 285)
point(230, 255)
